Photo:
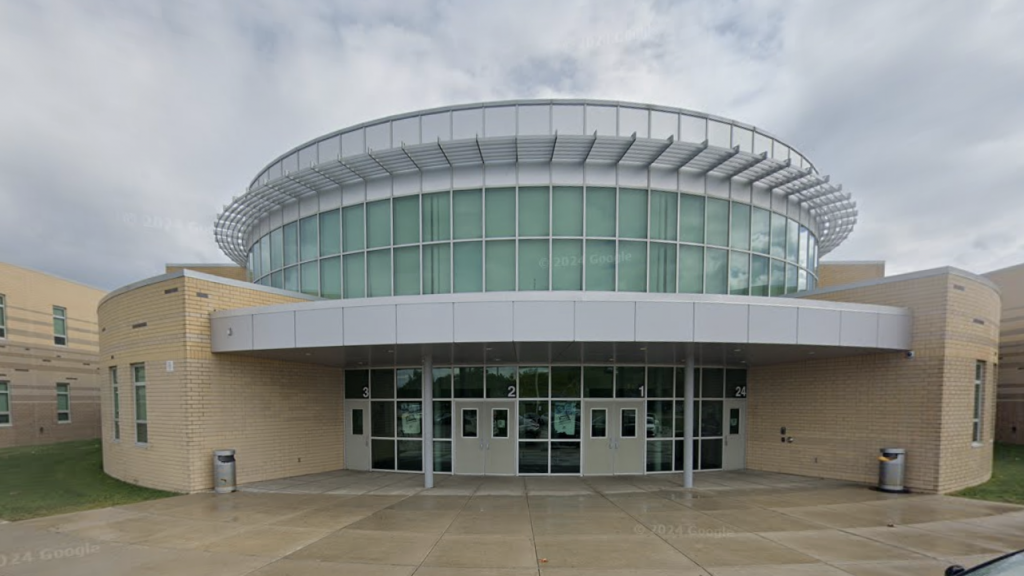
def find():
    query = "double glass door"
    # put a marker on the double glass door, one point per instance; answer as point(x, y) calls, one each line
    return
point(614, 437)
point(485, 437)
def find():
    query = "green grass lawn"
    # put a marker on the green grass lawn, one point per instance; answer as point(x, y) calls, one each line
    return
point(1007, 483)
point(58, 478)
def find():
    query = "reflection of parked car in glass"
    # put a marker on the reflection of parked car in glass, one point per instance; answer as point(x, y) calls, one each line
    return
point(1011, 564)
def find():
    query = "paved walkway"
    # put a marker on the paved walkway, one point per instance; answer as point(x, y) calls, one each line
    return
point(384, 524)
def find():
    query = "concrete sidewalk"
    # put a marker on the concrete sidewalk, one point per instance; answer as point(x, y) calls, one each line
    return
point(383, 524)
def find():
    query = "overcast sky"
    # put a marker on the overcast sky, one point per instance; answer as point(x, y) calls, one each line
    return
point(115, 115)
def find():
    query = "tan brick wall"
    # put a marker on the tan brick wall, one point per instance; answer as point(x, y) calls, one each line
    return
point(842, 411)
point(33, 365)
point(1010, 406)
point(839, 273)
point(229, 271)
point(282, 418)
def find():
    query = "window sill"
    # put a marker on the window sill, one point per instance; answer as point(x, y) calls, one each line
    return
point(142, 444)
point(977, 444)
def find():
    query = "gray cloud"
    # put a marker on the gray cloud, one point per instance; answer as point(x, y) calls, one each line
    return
point(126, 126)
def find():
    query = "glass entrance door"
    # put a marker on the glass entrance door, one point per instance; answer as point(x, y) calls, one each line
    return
point(485, 438)
point(357, 435)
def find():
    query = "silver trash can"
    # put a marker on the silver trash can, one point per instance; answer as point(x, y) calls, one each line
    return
point(224, 471)
point(891, 469)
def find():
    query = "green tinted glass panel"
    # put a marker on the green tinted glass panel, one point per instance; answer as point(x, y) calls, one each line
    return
point(437, 269)
point(566, 381)
point(534, 423)
point(330, 277)
point(469, 266)
point(140, 403)
point(739, 227)
point(277, 279)
point(567, 211)
point(309, 275)
point(691, 269)
point(792, 240)
point(500, 216)
point(632, 213)
point(533, 265)
point(355, 275)
point(276, 249)
point(468, 209)
point(407, 271)
point(632, 266)
point(291, 244)
point(659, 422)
point(716, 271)
point(378, 272)
point(802, 256)
point(659, 452)
point(501, 382)
point(739, 273)
point(659, 382)
point(601, 212)
point(791, 279)
point(354, 228)
point(777, 285)
point(500, 265)
point(717, 222)
point(533, 382)
point(760, 230)
point(308, 239)
point(758, 276)
point(330, 232)
point(291, 278)
point(443, 418)
point(265, 255)
point(566, 264)
point(443, 379)
point(407, 219)
point(778, 239)
point(664, 215)
point(534, 213)
point(436, 217)
point(801, 280)
point(661, 269)
point(598, 381)
point(600, 265)
point(691, 218)
point(378, 224)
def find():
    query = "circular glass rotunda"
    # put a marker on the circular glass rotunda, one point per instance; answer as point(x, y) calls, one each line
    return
point(560, 286)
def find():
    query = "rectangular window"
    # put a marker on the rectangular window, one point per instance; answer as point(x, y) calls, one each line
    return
point(469, 423)
point(468, 209)
point(501, 381)
point(979, 404)
point(792, 240)
point(739, 227)
point(598, 423)
point(600, 264)
point(309, 275)
point(500, 265)
point(330, 232)
point(378, 224)
point(567, 209)
point(661, 270)
point(407, 271)
point(265, 255)
point(277, 249)
point(500, 212)
point(632, 213)
point(760, 228)
point(628, 423)
point(407, 220)
point(664, 215)
point(533, 264)
point(691, 269)
point(291, 278)
point(437, 269)
point(718, 222)
point(758, 276)
point(116, 397)
point(357, 421)
point(436, 217)
point(139, 385)
point(691, 218)
point(716, 271)
point(308, 238)
point(330, 277)
point(499, 423)
point(534, 211)
point(3, 316)
point(60, 326)
point(739, 273)
point(63, 403)
point(378, 272)
point(566, 264)
point(353, 276)
point(633, 266)
point(353, 230)
point(469, 266)
point(791, 279)
point(5, 403)
point(777, 285)
point(600, 204)
point(291, 244)
point(778, 236)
